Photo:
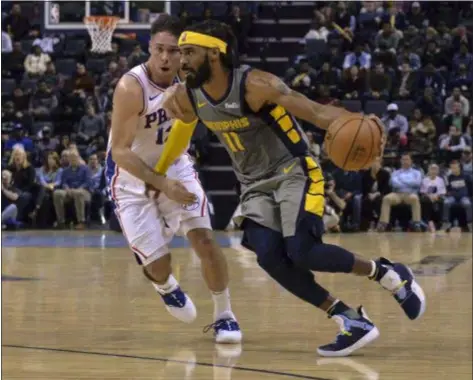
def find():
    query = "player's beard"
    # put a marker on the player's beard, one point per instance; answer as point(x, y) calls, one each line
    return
point(196, 78)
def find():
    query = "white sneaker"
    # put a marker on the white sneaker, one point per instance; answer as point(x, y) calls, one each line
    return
point(180, 306)
point(226, 330)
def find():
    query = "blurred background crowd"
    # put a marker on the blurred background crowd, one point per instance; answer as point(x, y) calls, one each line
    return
point(410, 63)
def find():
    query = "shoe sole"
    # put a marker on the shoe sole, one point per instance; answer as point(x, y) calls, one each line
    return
point(229, 337)
point(419, 293)
point(368, 338)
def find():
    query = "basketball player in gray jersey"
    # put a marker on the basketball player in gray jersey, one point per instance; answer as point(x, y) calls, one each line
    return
point(282, 185)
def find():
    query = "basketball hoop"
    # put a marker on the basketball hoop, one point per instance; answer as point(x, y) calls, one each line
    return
point(101, 29)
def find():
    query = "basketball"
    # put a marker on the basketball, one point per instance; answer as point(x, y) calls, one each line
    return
point(353, 141)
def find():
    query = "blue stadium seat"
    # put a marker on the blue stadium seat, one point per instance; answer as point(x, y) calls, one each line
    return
point(406, 107)
point(352, 105)
point(39, 125)
point(26, 46)
point(96, 65)
point(29, 84)
point(8, 85)
point(315, 47)
point(219, 9)
point(195, 9)
point(74, 48)
point(66, 66)
point(378, 107)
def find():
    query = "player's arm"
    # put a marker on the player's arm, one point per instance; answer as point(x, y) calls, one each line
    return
point(127, 105)
point(264, 88)
point(178, 106)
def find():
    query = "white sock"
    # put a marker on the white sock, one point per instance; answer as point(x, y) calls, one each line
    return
point(222, 307)
point(373, 269)
point(169, 286)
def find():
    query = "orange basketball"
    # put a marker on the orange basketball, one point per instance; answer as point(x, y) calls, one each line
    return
point(353, 141)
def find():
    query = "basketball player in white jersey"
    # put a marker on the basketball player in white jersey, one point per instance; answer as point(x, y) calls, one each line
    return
point(139, 129)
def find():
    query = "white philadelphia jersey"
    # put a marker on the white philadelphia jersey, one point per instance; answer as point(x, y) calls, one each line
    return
point(153, 129)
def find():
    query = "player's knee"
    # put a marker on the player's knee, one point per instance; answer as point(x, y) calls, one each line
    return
point(159, 270)
point(203, 243)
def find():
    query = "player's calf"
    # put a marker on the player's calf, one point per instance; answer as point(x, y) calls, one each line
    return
point(178, 304)
point(215, 273)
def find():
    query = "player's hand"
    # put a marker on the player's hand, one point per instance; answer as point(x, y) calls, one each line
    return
point(177, 192)
point(382, 130)
point(170, 104)
point(151, 191)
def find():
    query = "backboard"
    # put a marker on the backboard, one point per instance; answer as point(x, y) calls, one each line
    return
point(134, 15)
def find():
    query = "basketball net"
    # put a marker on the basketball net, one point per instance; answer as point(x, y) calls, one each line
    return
point(101, 29)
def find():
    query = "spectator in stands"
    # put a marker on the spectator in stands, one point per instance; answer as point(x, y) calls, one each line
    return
point(379, 84)
point(35, 62)
point(91, 126)
point(46, 42)
point(358, 57)
point(110, 77)
point(137, 56)
point(375, 185)
point(49, 178)
point(15, 64)
point(405, 184)
point(407, 55)
point(328, 77)
point(344, 22)
point(461, 35)
point(444, 35)
point(82, 80)
point(467, 163)
point(313, 146)
point(395, 122)
point(462, 78)
point(423, 133)
point(102, 99)
point(7, 44)
point(123, 64)
point(352, 86)
point(438, 57)
point(240, 25)
point(457, 118)
point(406, 82)
point(332, 200)
point(414, 39)
point(457, 97)
point(395, 17)
point(43, 102)
point(349, 189)
point(463, 57)
point(47, 142)
point(317, 31)
point(368, 20)
point(429, 77)
point(75, 184)
point(10, 196)
point(24, 175)
point(453, 144)
point(21, 99)
point(302, 78)
point(429, 104)
point(96, 189)
point(386, 43)
point(18, 138)
point(416, 17)
point(457, 195)
point(17, 25)
point(51, 77)
point(65, 159)
point(432, 192)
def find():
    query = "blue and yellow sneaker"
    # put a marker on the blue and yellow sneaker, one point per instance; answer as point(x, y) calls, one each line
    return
point(226, 330)
point(400, 281)
point(355, 333)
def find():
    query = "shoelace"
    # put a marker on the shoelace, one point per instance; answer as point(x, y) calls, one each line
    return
point(218, 324)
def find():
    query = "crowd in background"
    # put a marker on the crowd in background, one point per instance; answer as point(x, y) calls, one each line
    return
point(55, 120)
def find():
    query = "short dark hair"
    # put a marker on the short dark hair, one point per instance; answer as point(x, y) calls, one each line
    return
point(167, 23)
point(223, 32)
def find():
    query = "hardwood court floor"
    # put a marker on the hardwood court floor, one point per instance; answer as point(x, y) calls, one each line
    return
point(86, 312)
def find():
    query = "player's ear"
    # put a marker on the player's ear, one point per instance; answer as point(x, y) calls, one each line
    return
point(214, 54)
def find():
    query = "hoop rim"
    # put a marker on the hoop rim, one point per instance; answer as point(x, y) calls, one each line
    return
point(106, 20)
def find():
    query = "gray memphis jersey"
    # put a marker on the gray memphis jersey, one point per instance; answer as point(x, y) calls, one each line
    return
point(258, 143)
